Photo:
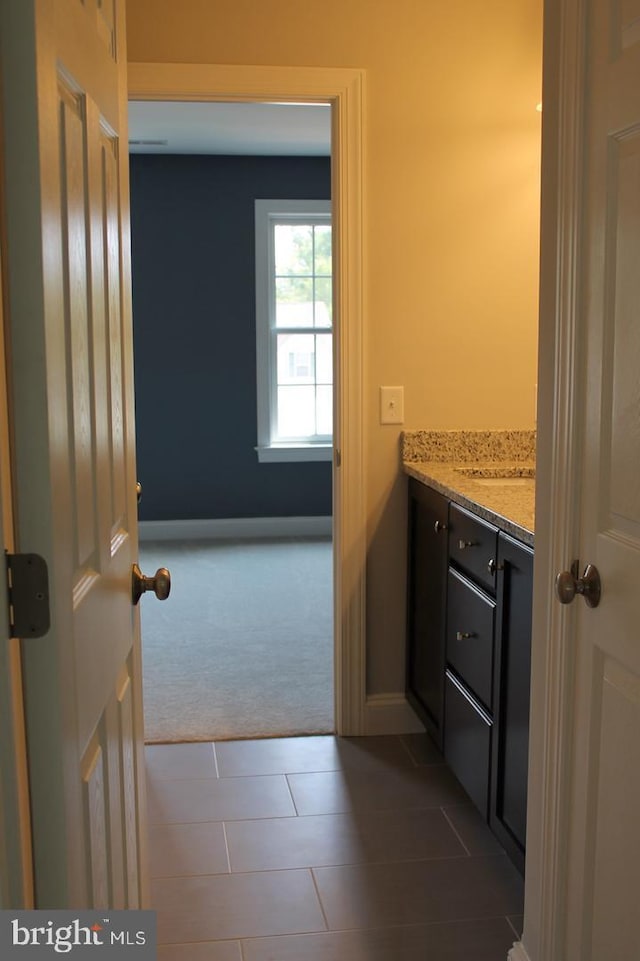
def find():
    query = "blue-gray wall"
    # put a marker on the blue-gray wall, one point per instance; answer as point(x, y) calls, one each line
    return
point(192, 229)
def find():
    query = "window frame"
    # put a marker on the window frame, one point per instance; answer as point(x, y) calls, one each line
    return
point(268, 213)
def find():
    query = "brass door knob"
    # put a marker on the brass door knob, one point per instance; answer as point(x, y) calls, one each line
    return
point(160, 583)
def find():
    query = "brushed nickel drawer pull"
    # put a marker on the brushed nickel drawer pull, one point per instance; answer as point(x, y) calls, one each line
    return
point(464, 635)
point(464, 544)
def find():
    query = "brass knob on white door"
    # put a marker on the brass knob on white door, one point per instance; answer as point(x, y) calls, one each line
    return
point(568, 584)
point(160, 583)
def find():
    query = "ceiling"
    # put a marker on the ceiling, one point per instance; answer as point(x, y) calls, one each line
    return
point(263, 129)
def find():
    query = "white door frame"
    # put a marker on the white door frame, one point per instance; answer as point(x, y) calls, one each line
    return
point(557, 480)
point(342, 88)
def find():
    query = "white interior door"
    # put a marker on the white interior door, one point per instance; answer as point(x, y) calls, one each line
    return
point(64, 104)
point(604, 828)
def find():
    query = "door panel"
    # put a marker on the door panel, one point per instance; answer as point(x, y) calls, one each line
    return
point(94, 783)
point(73, 413)
point(627, 25)
point(615, 904)
point(622, 439)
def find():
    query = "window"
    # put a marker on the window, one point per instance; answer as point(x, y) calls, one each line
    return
point(294, 329)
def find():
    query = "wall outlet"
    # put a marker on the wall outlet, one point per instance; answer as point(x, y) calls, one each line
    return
point(392, 405)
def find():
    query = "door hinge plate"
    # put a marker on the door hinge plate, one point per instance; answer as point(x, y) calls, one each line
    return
point(28, 583)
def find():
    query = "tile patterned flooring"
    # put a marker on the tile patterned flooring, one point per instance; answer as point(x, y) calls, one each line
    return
point(323, 849)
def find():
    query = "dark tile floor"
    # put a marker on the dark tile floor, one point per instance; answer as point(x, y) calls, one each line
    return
point(323, 849)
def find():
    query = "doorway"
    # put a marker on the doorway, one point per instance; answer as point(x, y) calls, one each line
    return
point(343, 90)
point(244, 648)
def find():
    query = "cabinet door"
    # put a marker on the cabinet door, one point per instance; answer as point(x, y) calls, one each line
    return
point(428, 518)
point(510, 749)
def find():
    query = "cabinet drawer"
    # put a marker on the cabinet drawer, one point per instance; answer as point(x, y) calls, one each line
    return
point(473, 543)
point(467, 739)
point(470, 627)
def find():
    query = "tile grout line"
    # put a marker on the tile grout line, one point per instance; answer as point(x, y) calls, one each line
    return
point(226, 846)
point(331, 865)
point(408, 750)
point(293, 800)
point(241, 944)
point(224, 777)
point(518, 934)
point(349, 812)
point(395, 926)
point(317, 890)
point(457, 833)
point(215, 759)
point(277, 773)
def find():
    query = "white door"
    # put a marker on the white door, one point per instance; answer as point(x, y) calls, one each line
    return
point(588, 891)
point(603, 891)
point(68, 274)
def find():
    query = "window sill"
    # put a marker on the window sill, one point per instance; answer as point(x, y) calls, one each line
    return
point(280, 453)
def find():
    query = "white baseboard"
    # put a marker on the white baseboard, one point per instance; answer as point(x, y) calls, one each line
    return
point(390, 714)
point(518, 953)
point(235, 527)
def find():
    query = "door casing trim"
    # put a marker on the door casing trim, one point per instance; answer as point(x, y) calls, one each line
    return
point(343, 89)
point(557, 480)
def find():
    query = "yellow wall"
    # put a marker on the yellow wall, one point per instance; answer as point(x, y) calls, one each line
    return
point(452, 141)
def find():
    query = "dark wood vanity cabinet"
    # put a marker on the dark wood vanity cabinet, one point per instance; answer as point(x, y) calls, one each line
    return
point(427, 577)
point(469, 644)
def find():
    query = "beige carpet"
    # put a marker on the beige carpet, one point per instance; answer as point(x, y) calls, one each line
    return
point(243, 647)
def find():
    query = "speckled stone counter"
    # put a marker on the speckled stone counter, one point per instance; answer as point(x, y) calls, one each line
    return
point(490, 472)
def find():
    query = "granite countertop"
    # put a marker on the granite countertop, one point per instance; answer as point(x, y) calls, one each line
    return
point(462, 465)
